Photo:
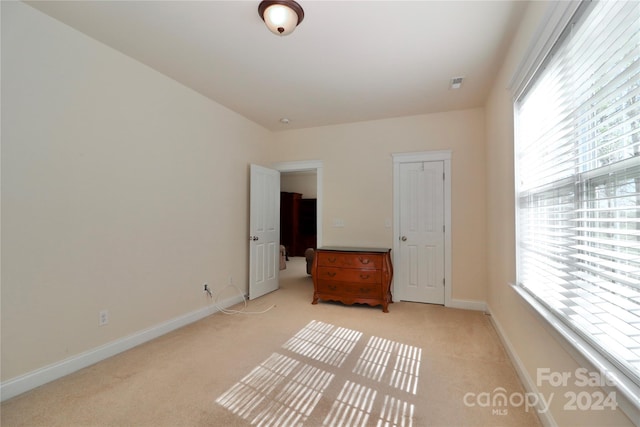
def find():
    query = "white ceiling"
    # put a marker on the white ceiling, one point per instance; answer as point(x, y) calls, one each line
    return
point(348, 61)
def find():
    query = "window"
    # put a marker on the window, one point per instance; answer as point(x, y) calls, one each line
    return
point(578, 181)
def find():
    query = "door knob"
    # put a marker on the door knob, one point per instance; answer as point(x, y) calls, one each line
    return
point(403, 238)
point(255, 238)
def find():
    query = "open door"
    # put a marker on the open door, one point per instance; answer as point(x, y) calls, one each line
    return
point(264, 231)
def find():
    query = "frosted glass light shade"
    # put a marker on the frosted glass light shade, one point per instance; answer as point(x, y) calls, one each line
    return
point(281, 17)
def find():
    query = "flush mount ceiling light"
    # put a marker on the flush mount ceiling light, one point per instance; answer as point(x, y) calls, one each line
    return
point(281, 16)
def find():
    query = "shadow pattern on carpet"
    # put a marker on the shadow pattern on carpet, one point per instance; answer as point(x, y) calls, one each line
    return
point(370, 383)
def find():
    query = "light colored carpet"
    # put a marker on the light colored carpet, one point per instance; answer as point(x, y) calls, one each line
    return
point(296, 364)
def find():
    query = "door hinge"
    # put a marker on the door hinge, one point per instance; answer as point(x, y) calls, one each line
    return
point(443, 230)
point(443, 281)
point(443, 176)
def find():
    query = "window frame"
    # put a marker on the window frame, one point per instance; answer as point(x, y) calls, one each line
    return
point(554, 26)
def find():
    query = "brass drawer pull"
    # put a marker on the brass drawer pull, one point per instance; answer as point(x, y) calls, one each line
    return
point(364, 276)
point(364, 260)
point(331, 273)
point(334, 259)
point(333, 287)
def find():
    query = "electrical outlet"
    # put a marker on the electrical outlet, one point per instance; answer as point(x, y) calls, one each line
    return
point(103, 317)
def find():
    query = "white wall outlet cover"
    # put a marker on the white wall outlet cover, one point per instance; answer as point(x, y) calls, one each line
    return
point(103, 317)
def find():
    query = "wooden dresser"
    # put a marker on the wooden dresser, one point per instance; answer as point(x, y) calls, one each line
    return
point(353, 275)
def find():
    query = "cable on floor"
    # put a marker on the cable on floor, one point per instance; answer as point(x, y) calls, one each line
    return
point(244, 300)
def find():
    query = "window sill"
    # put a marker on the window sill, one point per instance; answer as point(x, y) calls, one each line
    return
point(627, 392)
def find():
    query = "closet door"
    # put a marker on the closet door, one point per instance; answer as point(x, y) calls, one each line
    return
point(420, 274)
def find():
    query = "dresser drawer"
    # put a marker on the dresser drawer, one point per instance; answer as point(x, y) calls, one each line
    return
point(361, 290)
point(346, 260)
point(349, 275)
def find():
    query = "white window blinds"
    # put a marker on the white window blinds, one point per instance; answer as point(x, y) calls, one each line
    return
point(578, 181)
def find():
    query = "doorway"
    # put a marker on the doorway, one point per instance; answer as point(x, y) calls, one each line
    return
point(422, 227)
point(308, 169)
point(298, 212)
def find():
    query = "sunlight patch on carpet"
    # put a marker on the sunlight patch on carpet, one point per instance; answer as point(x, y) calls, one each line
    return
point(406, 368)
point(264, 397)
point(285, 390)
point(324, 342)
point(352, 407)
point(374, 360)
point(396, 413)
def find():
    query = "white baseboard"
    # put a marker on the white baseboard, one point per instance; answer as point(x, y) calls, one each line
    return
point(468, 304)
point(530, 386)
point(33, 379)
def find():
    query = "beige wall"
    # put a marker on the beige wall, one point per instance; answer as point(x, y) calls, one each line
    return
point(121, 190)
point(304, 183)
point(534, 346)
point(358, 182)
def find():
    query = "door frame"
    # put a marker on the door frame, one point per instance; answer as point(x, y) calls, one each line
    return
point(302, 166)
point(424, 156)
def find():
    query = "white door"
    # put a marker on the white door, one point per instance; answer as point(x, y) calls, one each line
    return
point(264, 231)
point(421, 272)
